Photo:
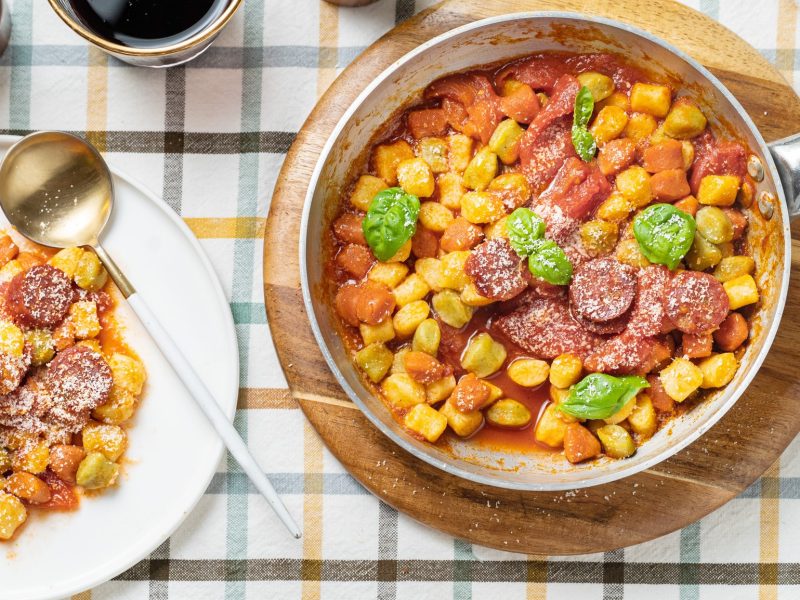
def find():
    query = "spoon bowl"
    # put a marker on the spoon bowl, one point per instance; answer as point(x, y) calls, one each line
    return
point(56, 189)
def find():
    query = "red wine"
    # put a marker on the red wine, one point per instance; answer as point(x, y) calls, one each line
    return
point(147, 23)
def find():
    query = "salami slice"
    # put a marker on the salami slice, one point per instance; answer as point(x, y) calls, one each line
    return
point(648, 317)
point(496, 270)
point(40, 297)
point(612, 327)
point(544, 328)
point(624, 354)
point(602, 289)
point(696, 302)
point(79, 381)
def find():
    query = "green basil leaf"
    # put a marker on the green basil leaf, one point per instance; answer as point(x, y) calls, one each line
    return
point(634, 384)
point(599, 396)
point(524, 227)
point(548, 262)
point(582, 140)
point(390, 222)
point(584, 143)
point(665, 234)
point(584, 106)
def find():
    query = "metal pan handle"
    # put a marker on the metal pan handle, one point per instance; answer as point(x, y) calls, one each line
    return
point(786, 153)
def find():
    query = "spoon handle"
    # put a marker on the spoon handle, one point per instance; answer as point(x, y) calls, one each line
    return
point(205, 400)
point(198, 390)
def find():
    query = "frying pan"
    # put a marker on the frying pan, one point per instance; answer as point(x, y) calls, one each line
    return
point(776, 169)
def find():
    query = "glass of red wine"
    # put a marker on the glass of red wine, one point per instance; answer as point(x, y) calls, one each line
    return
point(150, 33)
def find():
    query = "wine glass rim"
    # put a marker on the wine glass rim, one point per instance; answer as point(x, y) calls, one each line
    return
point(208, 32)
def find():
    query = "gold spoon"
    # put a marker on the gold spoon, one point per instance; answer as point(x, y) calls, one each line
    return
point(56, 189)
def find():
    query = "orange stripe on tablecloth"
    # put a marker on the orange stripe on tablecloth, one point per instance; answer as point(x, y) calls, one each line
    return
point(87, 595)
point(265, 398)
point(311, 574)
point(226, 227)
point(786, 36)
point(770, 530)
point(97, 98)
point(328, 45)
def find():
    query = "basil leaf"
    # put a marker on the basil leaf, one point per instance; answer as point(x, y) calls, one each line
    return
point(665, 234)
point(390, 222)
point(584, 143)
point(599, 396)
point(548, 262)
point(524, 227)
point(582, 140)
point(634, 384)
point(584, 106)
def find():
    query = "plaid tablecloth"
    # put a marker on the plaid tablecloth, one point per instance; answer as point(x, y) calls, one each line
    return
point(210, 138)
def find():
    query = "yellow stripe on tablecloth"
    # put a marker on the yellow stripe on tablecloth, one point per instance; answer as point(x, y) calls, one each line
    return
point(265, 398)
point(87, 595)
point(97, 98)
point(328, 45)
point(770, 531)
point(536, 587)
point(226, 227)
point(786, 35)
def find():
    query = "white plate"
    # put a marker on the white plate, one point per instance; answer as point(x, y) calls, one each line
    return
point(173, 452)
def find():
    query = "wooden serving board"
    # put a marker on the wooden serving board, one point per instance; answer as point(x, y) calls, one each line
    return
point(677, 492)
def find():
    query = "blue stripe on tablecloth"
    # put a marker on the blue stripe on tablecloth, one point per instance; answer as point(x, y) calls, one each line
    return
point(344, 484)
point(462, 570)
point(242, 283)
point(689, 559)
point(216, 57)
point(20, 53)
point(332, 484)
point(711, 8)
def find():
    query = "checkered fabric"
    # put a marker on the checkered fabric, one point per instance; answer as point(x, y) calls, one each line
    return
point(210, 137)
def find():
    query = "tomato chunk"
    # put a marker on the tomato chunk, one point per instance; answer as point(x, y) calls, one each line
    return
point(427, 122)
point(663, 156)
point(62, 495)
point(669, 185)
point(461, 235)
point(375, 303)
point(522, 105)
point(424, 368)
point(355, 259)
point(348, 229)
point(738, 220)
point(424, 243)
point(696, 345)
point(616, 156)
point(470, 104)
point(580, 444)
point(578, 189)
point(547, 143)
point(732, 332)
point(714, 157)
point(662, 402)
point(543, 151)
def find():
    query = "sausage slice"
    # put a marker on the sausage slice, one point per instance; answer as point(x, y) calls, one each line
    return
point(602, 289)
point(696, 302)
point(40, 297)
